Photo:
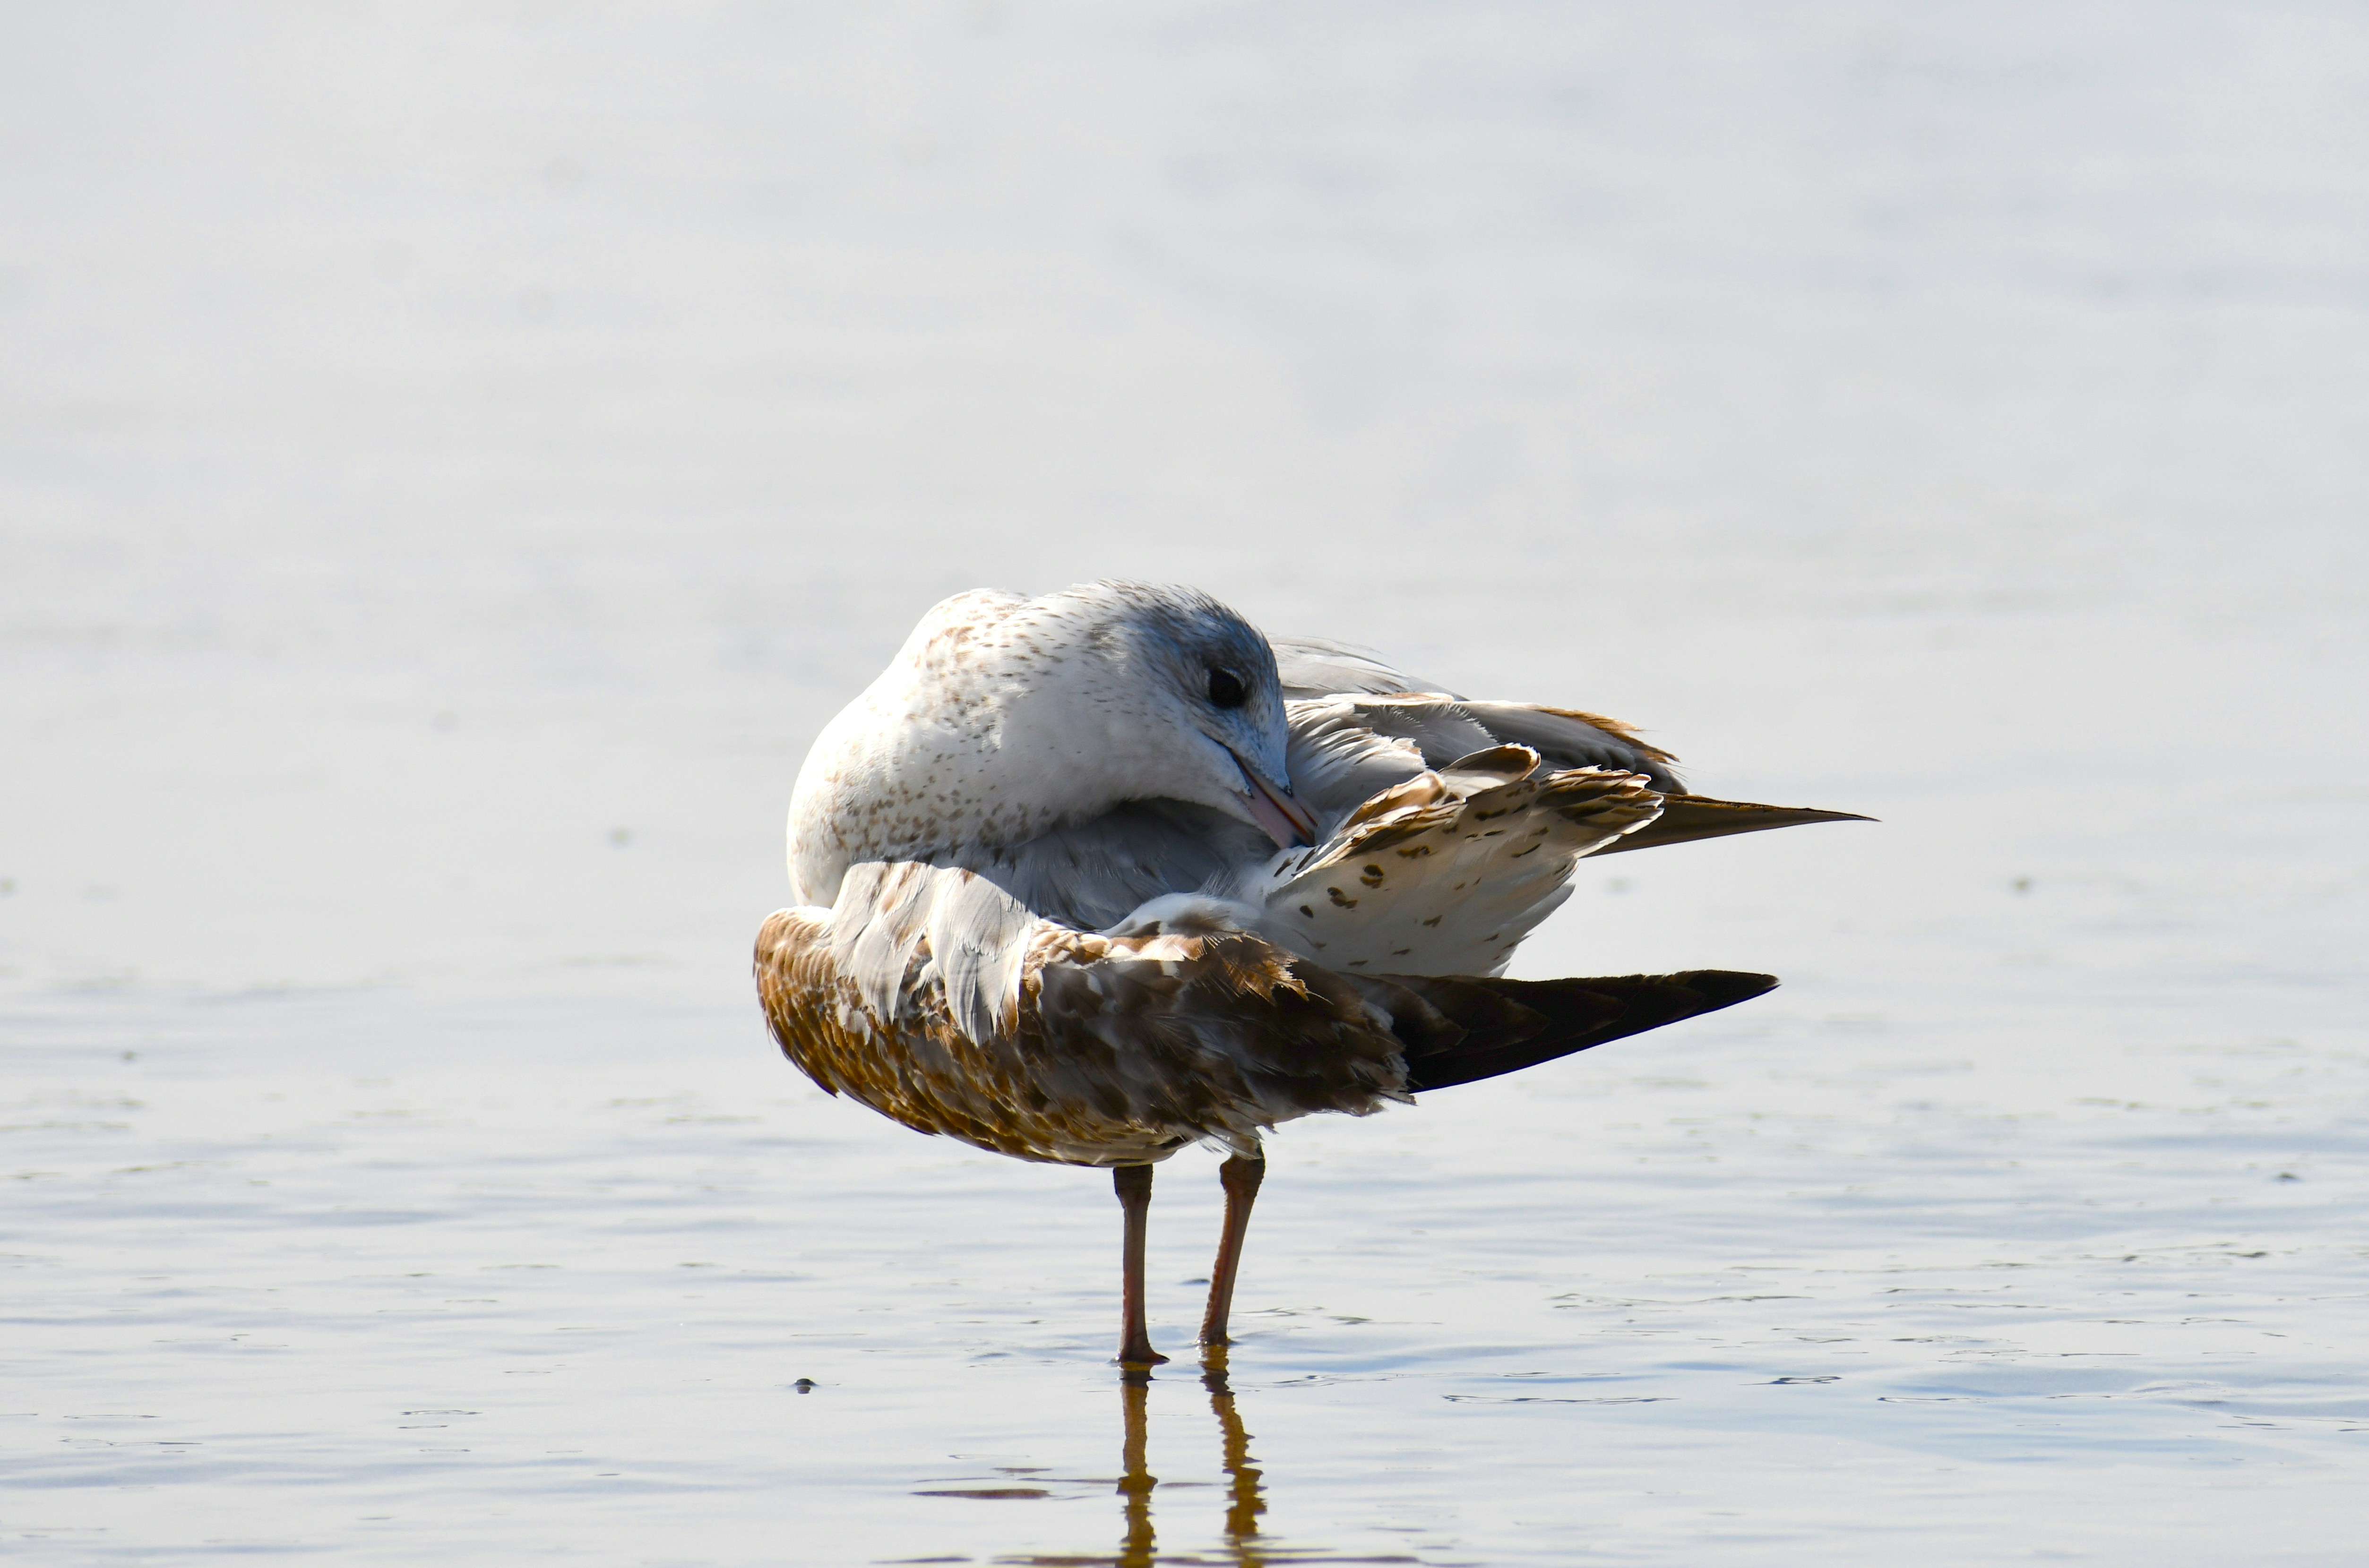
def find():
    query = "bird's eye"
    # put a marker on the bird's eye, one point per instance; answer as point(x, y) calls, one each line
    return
point(1227, 691)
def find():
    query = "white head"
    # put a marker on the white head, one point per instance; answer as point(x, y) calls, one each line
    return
point(1003, 717)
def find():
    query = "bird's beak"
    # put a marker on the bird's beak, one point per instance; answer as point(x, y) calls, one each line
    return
point(1287, 822)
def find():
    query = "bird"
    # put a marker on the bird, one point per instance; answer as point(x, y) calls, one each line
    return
point(1091, 876)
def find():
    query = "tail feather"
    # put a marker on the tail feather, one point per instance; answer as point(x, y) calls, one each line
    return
point(1460, 1029)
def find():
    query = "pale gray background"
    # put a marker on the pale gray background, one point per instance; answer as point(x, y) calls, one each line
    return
point(452, 459)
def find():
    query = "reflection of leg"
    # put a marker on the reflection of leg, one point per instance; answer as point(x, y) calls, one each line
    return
point(1244, 1504)
point(1242, 1177)
point(1136, 1485)
point(1134, 1184)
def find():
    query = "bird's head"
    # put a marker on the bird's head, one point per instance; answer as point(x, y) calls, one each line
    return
point(1164, 692)
point(1003, 718)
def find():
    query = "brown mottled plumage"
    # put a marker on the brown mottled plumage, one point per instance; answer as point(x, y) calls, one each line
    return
point(1041, 911)
point(1114, 1049)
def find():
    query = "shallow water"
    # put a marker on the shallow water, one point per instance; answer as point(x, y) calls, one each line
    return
point(549, 1283)
point(453, 462)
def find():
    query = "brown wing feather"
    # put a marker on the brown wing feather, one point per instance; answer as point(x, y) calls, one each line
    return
point(1685, 818)
point(1124, 1049)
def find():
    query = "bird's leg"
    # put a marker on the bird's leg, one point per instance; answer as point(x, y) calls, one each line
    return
point(1241, 1177)
point(1134, 1184)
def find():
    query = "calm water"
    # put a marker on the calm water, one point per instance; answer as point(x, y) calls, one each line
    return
point(453, 463)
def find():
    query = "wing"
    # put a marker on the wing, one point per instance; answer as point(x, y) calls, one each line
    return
point(1432, 730)
point(929, 994)
point(1359, 725)
point(1685, 818)
point(1121, 1050)
point(1313, 667)
point(1502, 1025)
point(1452, 826)
point(1427, 867)
point(1446, 873)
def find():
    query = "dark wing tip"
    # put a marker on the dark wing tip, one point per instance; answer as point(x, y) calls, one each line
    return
point(1504, 1026)
point(1725, 987)
point(1685, 818)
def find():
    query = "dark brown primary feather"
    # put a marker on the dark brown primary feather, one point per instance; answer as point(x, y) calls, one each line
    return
point(1685, 818)
point(1469, 1028)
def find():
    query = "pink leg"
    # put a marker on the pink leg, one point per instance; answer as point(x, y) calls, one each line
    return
point(1134, 1184)
point(1242, 1177)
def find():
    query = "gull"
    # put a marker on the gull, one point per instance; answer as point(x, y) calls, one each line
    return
point(1094, 876)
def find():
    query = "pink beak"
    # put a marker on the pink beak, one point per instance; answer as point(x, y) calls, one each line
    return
point(1287, 822)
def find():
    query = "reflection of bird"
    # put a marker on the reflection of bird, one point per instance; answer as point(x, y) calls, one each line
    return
point(1090, 877)
point(1138, 1548)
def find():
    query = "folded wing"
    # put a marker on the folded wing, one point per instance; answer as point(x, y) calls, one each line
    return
point(1446, 873)
point(1105, 1050)
point(929, 994)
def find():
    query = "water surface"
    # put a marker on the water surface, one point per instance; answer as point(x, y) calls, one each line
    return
point(453, 462)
